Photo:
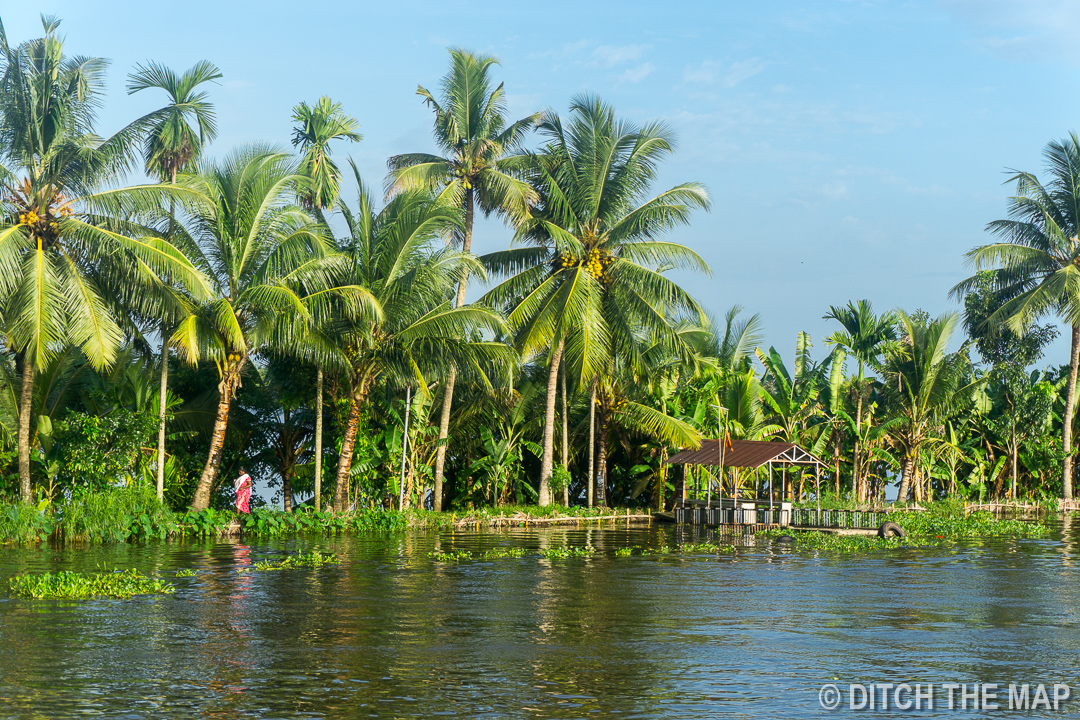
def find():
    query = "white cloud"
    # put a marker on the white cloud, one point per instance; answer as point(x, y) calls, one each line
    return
point(742, 70)
point(609, 56)
point(637, 74)
point(711, 72)
point(1022, 30)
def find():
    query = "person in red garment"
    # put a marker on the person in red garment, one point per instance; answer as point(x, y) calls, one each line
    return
point(243, 491)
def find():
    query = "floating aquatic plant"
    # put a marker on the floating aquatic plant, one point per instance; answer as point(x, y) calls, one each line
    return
point(80, 586)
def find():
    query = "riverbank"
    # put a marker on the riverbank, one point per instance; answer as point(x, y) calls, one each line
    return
point(134, 514)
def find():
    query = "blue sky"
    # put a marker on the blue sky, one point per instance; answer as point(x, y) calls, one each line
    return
point(852, 149)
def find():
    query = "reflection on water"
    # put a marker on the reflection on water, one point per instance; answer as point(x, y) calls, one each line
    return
point(389, 633)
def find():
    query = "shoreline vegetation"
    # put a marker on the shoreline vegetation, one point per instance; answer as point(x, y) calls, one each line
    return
point(134, 514)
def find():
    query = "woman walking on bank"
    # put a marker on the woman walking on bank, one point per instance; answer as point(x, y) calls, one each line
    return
point(243, 491)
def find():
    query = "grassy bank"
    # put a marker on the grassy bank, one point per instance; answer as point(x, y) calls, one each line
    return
point(134, 513)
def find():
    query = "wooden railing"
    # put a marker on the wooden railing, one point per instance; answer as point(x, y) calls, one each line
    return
point(812, 517)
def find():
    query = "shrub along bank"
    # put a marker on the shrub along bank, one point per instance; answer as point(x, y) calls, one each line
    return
point(134, 513)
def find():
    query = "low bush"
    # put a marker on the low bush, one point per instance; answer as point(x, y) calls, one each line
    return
point(24, 524)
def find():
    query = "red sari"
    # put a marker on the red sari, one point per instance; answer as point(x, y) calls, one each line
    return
point(243, 492)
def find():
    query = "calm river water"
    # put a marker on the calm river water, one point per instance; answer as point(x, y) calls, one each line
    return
point(390, 633)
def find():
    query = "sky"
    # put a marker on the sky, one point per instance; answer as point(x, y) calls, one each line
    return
point(852, 149)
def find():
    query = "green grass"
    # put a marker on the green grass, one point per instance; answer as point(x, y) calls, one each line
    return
point(116, 515)
point(24, 524)
point(133, 513)
point(80, 586)
point(185, 573)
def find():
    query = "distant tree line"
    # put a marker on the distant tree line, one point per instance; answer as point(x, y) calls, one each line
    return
point(245, 311)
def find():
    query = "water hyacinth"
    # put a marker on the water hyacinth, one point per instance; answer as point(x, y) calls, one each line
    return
point(456, 556)
point(70, 585)
point(313, 559)
point(565, 553)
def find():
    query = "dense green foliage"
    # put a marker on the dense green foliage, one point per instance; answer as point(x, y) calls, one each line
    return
point(264, 309)
point(134, 513)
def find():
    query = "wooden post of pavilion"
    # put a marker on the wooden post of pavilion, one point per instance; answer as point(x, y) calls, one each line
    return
point(770, 492)
point(817, 489)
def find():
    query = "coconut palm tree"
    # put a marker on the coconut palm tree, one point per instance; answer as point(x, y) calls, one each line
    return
point(174, 140)
point(319, 125)
point(1035, 263)
point(925, 384)
point(409, 331)
point(478, 168)
point(590, 266)
point(625, 397)
point(865, 336)
point(266, 259)
point(68, 249)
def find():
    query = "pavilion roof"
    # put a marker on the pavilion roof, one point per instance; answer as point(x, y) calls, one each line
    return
point(745, 454)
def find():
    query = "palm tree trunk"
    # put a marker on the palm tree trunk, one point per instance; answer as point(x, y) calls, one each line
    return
point(661, 478)
point(549, 425)
point(905, 479)
point(26, 406)
point(856, 466)
point(348, 443)
point(318, 437)
point(1070, 401)
point(1014, 451)
point(161, 415)
point(287, 460)
point(226, 389)
point(601, 459)
point(448, 392)
point(164, 373)
point(838, 447)
point(591, 490)
point(444, 432)
point(565, 437)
